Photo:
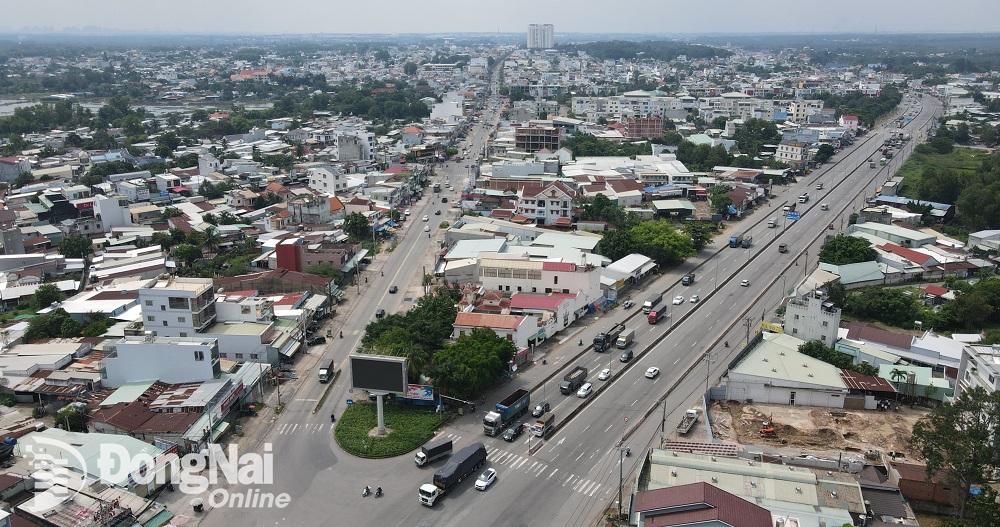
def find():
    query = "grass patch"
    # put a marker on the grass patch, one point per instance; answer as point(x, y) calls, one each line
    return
point(962, 161)
point(409, 428)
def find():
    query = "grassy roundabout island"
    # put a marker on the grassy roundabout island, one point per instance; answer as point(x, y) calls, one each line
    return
point(408, 428)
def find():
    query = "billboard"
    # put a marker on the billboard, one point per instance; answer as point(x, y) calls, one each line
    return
point(423, 392)
point(378, 373)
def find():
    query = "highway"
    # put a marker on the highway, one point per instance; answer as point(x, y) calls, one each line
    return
point(573, 477)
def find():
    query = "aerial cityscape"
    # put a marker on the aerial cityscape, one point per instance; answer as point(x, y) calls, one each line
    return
point(420, 265)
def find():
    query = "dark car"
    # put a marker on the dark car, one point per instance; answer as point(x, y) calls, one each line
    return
point(380, 313)
point(626, 356)
point(514, 432)
point(444, 200)
point(437, 213)
point(393, 289)
point(314, 341)
point(540, 409)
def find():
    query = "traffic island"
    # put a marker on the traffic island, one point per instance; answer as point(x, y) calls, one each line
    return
point(407, 429)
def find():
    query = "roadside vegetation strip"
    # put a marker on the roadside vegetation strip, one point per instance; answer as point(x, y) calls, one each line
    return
point(408, 429)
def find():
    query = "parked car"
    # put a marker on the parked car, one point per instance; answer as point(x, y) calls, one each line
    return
point(393, 290)
point(380, 313)
point(652, 372)
point(540, 409)
point(407, 212)
point(514, 432)
point(585, 390)
point(315, 341)
point(486, 479)
point(604, 375)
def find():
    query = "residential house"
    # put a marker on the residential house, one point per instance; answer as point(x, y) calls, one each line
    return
point(521, 330)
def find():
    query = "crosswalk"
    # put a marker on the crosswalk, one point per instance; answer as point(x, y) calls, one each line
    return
point(285, 429)
point(502, 459)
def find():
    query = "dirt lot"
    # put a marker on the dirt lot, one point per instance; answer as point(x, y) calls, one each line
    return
point(816, 428)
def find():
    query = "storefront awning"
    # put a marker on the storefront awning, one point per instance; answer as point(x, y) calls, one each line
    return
point(290, 350)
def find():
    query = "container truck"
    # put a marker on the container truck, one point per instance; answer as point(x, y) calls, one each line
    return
point(688, 279)
point(326, 372)
point(506, 411)
point(655, 315)
point(652, 302)
point(461, 465)
point(736, 240)
point(625, 339)
point(543, 425)
point(605, 339)
point(430, 454)
point(573, 380)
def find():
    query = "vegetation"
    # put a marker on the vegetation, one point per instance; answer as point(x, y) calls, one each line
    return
point(357, 226)
point(45, 295)
point(652, 49)
point(718, 196)
point(474, 363)
point(76, 246)
point(585, 145)
point(841, 250)
point(967, 178)
point(58, 324)
point(893, 306)
point(600, 208)
point(416, 334)
point(657, 239)
point(818, 350)
point(824, 153)
point(754, 134)
point(961, 439)
point(408, 429)
point(868, 109)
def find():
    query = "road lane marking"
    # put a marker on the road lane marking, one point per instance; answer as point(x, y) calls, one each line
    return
point(581, 455)
point(609, 427)
point(633, 402)
point(568, 479)
point(594, 490)
point(519, 465)
point(580, 484)
point(676, 361)
point(588, 428)
point(532, 467)
point(294, 427)
point(541, 469)
point(553, 473)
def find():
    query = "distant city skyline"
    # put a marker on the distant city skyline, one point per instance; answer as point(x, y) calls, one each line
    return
point(451, 16)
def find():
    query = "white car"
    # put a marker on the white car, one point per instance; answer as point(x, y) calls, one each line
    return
point(678, 300)
point(604, 375)
point(427, 228)
point(426, 217)
point(486, 479)
point(407, 213)
point(652, 372)
point(744, 283)
point(694, 299)
point(585, 390)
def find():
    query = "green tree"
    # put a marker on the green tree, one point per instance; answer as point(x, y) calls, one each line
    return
point(719, 198)
point(473, 364)
point(892, 306)
point(356, 226)
point(662, 242)
point(187, 253)
point(616, 244)
point(75, 246)
point(22, 179)
point(171, 212)
point(842, 249)
point(45, 295)
point(943, 186)
point(979, 206)
point(700, 232)
point(754, 134)
point(961, 439)
point(73, 416)
point(410, 68)
point(824, 153)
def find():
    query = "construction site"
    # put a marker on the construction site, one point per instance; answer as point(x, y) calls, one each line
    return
point(790, 430)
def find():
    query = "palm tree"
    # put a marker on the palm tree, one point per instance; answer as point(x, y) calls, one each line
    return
point(897, 375)
point(211, 239)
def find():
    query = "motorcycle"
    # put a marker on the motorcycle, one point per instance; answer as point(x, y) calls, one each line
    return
point(378, 492)
point(366, 492)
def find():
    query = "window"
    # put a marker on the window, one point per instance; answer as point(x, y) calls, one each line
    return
point(199, 356)
point(163, 307)
point(149, 302)
point(254, 356)
point(991, 379)
point(796, 317)
point(164, 323)
point(150, 318)
point(555, 279)
point(184, 333)
point(795, 330)
point(177, 303)
point(181, 319)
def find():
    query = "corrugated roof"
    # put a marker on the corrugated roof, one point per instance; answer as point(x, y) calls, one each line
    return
point(857, 381)
point(697, 503)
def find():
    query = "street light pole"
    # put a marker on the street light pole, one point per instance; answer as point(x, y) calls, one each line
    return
point(621, 478)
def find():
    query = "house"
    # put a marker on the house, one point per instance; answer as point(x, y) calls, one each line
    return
point(917, 382)
point(979, 368)
point(851, 122)
point(11, 167)
point(985, 240)
point(696, 505)
point(551, 204)
point(170, 360)
point(901, 236)
point(521, 330)
point(793, 153)
point(812, 317)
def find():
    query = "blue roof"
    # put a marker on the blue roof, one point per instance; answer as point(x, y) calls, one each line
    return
point(902, 200)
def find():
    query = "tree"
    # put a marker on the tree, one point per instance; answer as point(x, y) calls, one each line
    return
point(979, 206)
point(943, 186)
point(75, 246)
point(327, 270)
point(46, 294)
point(187, 253)
point(824, 153)
point(616, 244)
point(474, 363)
point(56, 324)
point(719, 197)
point(662, 242)
point(210, 239)
point(754, 134)
point(842, 250)
point(961, 439)
point(356, 226)
point(22, 179)
point(72, 417)
point(410, 68)
point(889, 305)
point(171, 212)
point(700, 233)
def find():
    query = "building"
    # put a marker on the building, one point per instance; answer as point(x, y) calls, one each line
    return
point(643, 127)
point(11, 167)
point(980, 368)
point(985, 240)
point(793, 153)
point(548, 205)
point(812, 317)
point(536, 137)
point(696, 505)
point(514, 273)
point(178, 306)
point(166, 359)
point(541, 36)
point(521, 330)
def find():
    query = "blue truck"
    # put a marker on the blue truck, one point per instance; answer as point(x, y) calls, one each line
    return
point(736, 240)
point(505, 412)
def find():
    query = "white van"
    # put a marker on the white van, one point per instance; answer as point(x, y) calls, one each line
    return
point(772, 223)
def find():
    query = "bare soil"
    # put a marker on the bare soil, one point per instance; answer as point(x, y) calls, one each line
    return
point(815, 428)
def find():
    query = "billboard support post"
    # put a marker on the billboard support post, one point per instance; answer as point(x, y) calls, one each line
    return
point(381, 414)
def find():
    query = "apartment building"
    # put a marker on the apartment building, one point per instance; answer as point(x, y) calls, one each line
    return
point(812, 317)
point(643, 127)
point(793, 153)
point(979, 368)
point(536, 137)
point(327, 179)
point(178, 306)
point(166, 359)
point(541, 36)
point(511, 273)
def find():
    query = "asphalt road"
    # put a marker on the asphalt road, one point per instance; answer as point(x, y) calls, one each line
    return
point(574, 475)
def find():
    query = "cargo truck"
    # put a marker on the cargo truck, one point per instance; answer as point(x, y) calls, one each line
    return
point(605, 339)
point(543, 425)
point(506, 411)
point(652, 302)
point(430, 454)
point(688, 279)
point(461, 465)
point(573, 380)
point(326, 372)
point(655, 315)
point(625, 339)
point(747, 242)
point(688, 421)
point(736, 240)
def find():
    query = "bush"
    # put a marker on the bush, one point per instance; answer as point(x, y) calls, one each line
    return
point(408, 429)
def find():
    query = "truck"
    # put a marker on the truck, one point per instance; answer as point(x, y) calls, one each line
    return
point(543, 425)
point(871, 164)
point(688, 421)
point(573, 380)
point(437, 187)
point(782, 247)
point(651, 302)
point(430, 454)
point(736, 240)
point(326, 372)
point(625, 339)
point(688, 279)
point(605, 339)
point(772, 223)
point(461, 465)
point(804, 197)
point(655, 315)
point(505, 412)
point(747, 242)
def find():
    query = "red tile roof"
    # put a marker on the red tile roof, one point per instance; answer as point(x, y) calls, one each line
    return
point(936, 290)
point(491, 321)
point(501, 213)
point(916, 257)
point(565, 267)
point(537, 301)
point(857, 381)
point(698, 503)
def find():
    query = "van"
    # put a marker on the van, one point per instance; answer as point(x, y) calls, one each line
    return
point(772, 223)
point(825, 206)
point(804, 198)
point(625, 339)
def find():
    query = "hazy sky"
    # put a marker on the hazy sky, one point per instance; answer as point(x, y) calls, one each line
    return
point(436, 16)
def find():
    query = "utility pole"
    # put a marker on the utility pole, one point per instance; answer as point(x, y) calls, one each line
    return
point(621, 478)
point(708, 374)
